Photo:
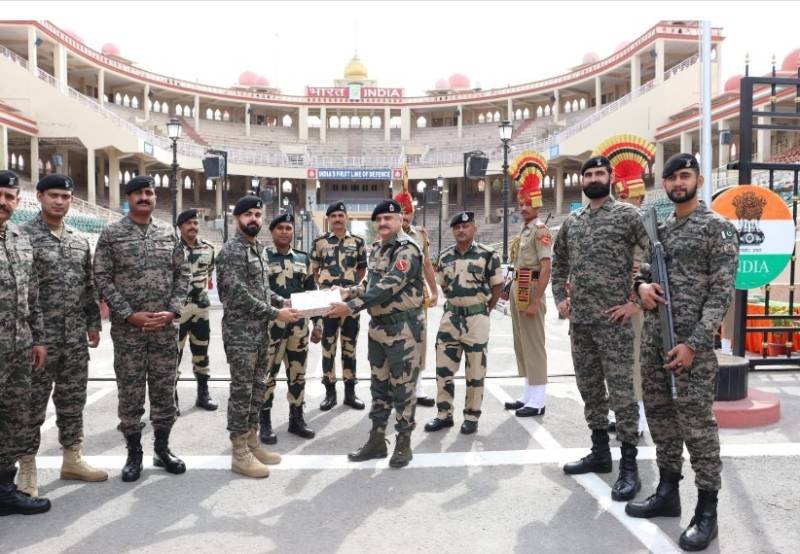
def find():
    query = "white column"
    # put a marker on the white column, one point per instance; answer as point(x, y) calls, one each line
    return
point(4, 147)
point(717, 88)
point(445, 201)
point(142, 169)
point(196, 112)
point(660, 61)
point(658, 163)
point(101, 88)
point(724, 149)
point(487, 201)
point(556, 105)
point(113, 181)
point(559, 189)
point(323, 124)
point(247, 119)
point(686, 143)
point(387, 130)
point(405, 124)
point(218, 197)
point(91, 183)
point(33, 64)
point(302, 123)
point(199, 181)
point(179, 175)
point(763, 141)
point(145, 102)
point(101, 176)
point(636, 72)
point(509, 110)
point(598, 94)
point(461, 121)
point(34, 160)
point(60, 66)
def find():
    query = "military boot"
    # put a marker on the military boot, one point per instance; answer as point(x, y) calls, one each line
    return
point(243, 462)
point(163, 457)
point(598, 460)
point(330, 397)
point(402, 454)
point(666, 502)
point(375, 447)
point(297, 424)
point(350, 398)
point(75, 468)
point(703, 527)
point(628, 483)
point(251, 439)
point(133, 464)
point(12, 501)
point(27, 482)
point(204, 400)
point(266, 434)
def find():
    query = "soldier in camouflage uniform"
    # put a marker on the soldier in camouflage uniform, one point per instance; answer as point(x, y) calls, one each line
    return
point(141, 271)
point(471, 280)
point(338, 259)
point(594, 253)
point(392, 294)
point(701, 250)
point(21, 348)
point(289, 272)
point(243, 280)
point(194, 322)
point(71, 314)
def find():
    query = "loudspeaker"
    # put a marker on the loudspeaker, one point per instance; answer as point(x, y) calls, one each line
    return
point(476, 165)
point(725, 137)
point(214, 167)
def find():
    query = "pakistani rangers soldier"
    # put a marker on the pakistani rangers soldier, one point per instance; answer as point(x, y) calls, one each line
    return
point(471, 280)
point(338, 259)
point(392, 294)
point(194, 322)
point(289, 272)
point(71, 314)
point(141, 272)
point(21, 348)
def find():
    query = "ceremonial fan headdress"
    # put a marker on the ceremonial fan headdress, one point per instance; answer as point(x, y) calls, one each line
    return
point(404, 197)
point(630, 156)
point(528, 170)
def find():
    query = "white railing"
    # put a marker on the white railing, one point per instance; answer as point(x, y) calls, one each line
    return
point(13, 56)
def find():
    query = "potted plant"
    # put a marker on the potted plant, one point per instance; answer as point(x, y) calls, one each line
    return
point(777, 340)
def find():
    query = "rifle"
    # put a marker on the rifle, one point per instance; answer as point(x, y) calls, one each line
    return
point(658, 274)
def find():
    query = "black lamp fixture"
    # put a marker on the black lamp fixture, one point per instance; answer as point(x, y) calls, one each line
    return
point(505, 129)
point(174, 134)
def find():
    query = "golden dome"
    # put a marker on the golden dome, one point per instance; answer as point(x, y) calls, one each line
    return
point(355, 70)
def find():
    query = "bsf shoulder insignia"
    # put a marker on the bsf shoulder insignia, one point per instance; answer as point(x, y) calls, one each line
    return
point(546, 239)
point(728, 233)
point(402, 265)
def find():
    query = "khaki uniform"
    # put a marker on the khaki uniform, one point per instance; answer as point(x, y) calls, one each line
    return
point(535, 245)
point(194, 322)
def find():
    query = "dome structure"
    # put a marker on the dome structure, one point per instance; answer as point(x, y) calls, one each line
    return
point(110, 49)
point(441, 84)
point(732, 84)
point(261, 81)
point(248, 78)
point(459, 81)
point(355, 70)
point(590, 57)
point(791, 61)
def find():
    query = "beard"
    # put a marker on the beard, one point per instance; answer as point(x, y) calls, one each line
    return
point(681, 197)
point(250, 230)
point(596, 189)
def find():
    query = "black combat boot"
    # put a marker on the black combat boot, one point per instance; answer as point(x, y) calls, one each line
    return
point(266, 434)
point(437, 424)
point(163, 457)
point(628, 483)
point(204, 400)
point(375, 447)
point(330, 397)
point(14, 502)
point(703, 527)
point(598, 460)
point(133, 465)
point(666, 502)
point(402, 451)
point(350, 398)
point(297, 424)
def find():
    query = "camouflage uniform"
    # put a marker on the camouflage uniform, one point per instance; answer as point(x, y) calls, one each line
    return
point(21, 324)
point(466, 280)
point(194, 323)
point(701, 254)
point(338, 262)
point(70, 308)
point(243, 284)
point(594, 252)
point(288, 273)
point(392, 294)
point(142, 270)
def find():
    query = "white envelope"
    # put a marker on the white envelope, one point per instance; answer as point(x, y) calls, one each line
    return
point(315, 302)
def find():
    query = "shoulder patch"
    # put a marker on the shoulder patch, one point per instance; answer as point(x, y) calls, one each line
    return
point(402, 265)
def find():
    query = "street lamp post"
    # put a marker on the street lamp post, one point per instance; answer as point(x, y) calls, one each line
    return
point(286, 188)
point(421, 188)
point(174, 133)
point(440, 186)
point(505, 136)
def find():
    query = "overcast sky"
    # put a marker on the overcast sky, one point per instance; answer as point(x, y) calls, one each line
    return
point(402, 44)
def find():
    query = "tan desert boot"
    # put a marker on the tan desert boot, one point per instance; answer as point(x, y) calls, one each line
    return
point(243, 461)
point(261, 455)
point(26, 478)
point(74, 467)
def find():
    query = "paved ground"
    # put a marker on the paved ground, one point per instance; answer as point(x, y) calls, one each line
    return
point(501, 490)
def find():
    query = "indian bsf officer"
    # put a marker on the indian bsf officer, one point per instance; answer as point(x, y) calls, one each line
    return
point(243, 279)
point(194, 322)
point(338, 259)
point(471, 280)
point(21, 348)
point(392, 294)
point(594, 253)
point(71, 313)
point(289, 272)
point(701, 251)
point(141, 271)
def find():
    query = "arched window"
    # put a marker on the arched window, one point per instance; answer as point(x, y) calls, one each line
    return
point(582, 104)
point(157, 180)
point(13, 160)
point(178, 109)
point(135, 103)
point(518, 114)
point(355, 122)
point(489, 117)
point(333, 122)
point(574, 105)
point(376, 122)
point(209, 113)
point(157, 106)
point(539, 112)
point(497, 117)
point(217, 115)
point(576, 179)
point(526, 114)
point(209, 184)
point(481, 118)
point(41, 165)
point(226, 116)
point(126, 177)
point(187, 183)
point(165, 180)
point(118, 99)
point(547, 181)
point(567, 107)
point(287, 120)
point(547, 110)
point(20, 162)
point(126, 101)
point(344, 122)
point(422, 122)
point(165, 108)
point(366, 122)
point(48, 167)
point(395, 122)
point(105, 97)
point(733, 151)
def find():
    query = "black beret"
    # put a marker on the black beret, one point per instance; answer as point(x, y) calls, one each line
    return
point(247, 203)
point(140, 182)
point(9, 179)
point(596, 161)
point(336, 207)
point(386, 207)
point(463, 217)
point(283, 218)
point(186, 215)
point(55, 181)
point(679, 161)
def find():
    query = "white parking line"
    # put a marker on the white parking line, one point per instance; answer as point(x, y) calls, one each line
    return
point(50, 422)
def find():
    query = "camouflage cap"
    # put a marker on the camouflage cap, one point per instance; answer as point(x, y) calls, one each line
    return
point(55, 181)
point(186, 215)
